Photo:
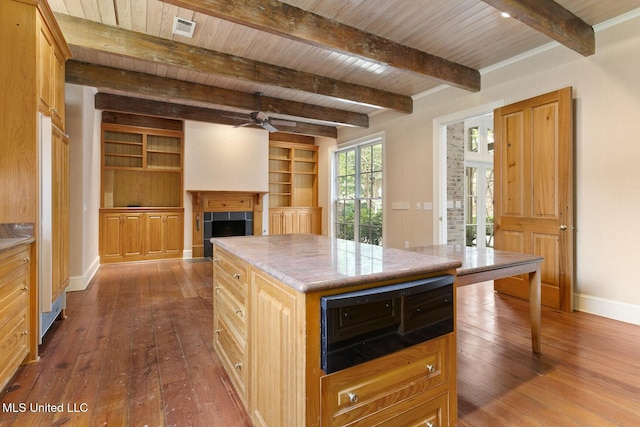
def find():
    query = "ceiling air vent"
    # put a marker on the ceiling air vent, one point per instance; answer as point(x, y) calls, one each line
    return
point(183, 27)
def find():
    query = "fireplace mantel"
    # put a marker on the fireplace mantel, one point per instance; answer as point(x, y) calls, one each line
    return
point(222, 201)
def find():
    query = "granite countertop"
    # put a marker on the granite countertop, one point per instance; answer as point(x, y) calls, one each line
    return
point(15, 234)
point(310, 262)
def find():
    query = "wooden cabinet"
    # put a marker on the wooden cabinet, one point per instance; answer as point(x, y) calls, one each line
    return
point(142, 215)
point(268, 332)
point(293, 188)
point(229, 318)
point(295, 220)
point(32, 85)
point(15, 309)
point(136, 235)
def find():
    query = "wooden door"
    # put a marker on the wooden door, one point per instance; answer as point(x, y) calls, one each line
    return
point(534, 192)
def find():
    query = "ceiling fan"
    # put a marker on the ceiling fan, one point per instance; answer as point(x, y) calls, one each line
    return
point(260, 118)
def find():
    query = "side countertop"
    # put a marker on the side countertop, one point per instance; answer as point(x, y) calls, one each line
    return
point(15, 234)
point(310, 262)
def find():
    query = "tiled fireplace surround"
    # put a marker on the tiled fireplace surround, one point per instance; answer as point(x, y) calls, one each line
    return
point(210, 206)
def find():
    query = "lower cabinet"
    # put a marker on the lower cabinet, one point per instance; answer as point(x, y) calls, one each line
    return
point(127, 235)
point(14, 310)
point(267, 336)
point(229, 318)
point(293, 220)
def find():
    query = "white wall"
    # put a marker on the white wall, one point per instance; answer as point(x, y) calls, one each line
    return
point(83, 128)
point(606, 89)
point(223, 158)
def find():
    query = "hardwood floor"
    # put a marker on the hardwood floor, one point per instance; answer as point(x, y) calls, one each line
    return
point(136, 350)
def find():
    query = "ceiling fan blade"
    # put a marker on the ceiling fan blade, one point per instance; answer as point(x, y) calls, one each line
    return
point(268, 127)
point(243, 125)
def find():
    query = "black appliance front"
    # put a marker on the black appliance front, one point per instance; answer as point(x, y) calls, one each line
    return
point(363, 325)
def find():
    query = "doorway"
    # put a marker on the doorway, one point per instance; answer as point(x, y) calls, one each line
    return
point(463, 177)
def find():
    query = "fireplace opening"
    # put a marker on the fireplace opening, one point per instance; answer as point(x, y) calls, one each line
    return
point(225, 224)
point(228, 228)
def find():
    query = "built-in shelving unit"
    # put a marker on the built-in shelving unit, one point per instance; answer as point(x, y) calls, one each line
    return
point(142, 180)
point(293, 186)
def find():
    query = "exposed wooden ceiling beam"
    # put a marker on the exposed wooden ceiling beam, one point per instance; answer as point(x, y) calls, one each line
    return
point(149, 85)
point(118, 41)
point(126, 104)
point(555, 21)
point(294, 23)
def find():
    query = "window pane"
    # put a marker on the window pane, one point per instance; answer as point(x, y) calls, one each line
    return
point(490, 141)
point(472, 143)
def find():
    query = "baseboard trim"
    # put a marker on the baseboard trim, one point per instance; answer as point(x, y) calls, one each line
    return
point(80, 283)
point(616, 310)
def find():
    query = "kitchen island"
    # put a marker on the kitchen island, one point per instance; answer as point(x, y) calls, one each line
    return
point(270, 331)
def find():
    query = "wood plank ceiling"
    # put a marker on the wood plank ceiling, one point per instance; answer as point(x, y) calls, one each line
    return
point(319, 64)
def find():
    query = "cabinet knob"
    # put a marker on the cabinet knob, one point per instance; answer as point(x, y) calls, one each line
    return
point(24, 288)
point(430, 424)
point(25, 333)
point(218, 288)
point(238, 310)
point(563, 227)
point(236, 276)
point(431, 369)
point(216, 260)
point(237, 365)
point(353, 397)
point(217, 331)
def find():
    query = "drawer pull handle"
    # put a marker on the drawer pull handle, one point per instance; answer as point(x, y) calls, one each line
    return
point(238, 365)
point(431, 369)
point(353, 397)
point(236, 276)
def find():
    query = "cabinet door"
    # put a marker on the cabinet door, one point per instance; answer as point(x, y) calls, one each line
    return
point(174, 231)
point(111, 238)
point(275, 222)
point(132, 233)
point(57, 91)
point(155, 233)
point(275, 349)
point(309, 221)
point(45, 67)
point(60, 213)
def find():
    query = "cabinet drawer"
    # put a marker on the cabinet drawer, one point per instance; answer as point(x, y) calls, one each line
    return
point(356, 392)
point(229, 285)
point(230, 203)
point(433, 412)
point(14, 343)
point(232, 353)
point(230, 265)
point(233, 311)
point(13, 262)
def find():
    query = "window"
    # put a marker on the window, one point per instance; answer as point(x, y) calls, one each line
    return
point(358, 192)
point(478, 206)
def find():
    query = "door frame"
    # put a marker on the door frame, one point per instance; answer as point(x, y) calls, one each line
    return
point(439, 225)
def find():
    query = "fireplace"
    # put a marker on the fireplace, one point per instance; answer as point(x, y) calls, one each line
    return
point(225, 224)
point(223, 212)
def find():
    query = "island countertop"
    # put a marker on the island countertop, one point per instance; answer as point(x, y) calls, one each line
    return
point(310, 262)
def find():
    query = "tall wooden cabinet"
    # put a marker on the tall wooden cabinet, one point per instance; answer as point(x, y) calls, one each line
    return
point(293, 187)
point(142, 215)
point(32, 67)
